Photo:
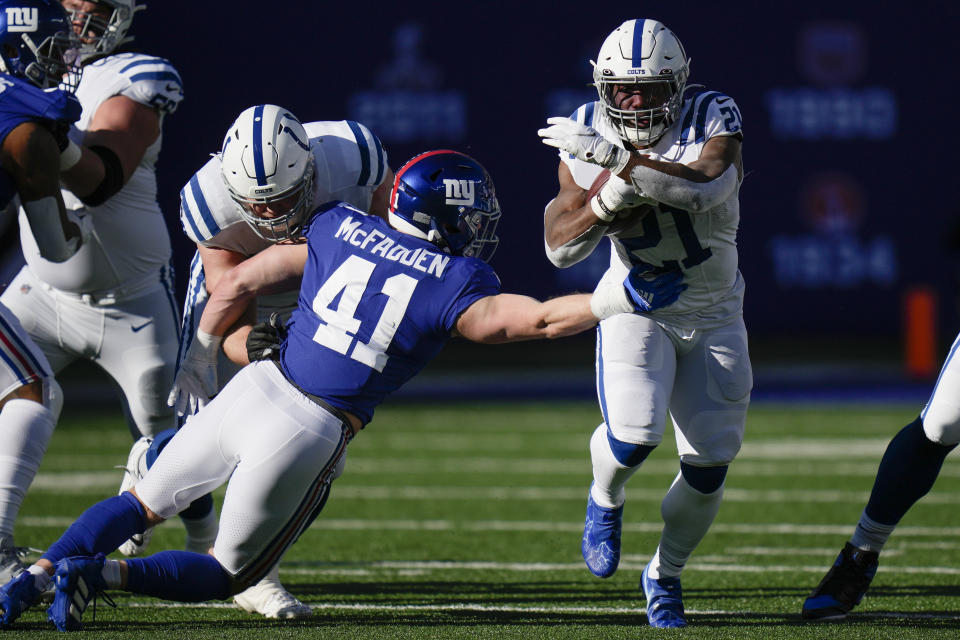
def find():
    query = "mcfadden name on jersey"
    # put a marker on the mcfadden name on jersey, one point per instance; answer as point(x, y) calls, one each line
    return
point(703, 245)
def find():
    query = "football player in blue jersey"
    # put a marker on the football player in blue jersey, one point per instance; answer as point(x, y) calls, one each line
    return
point(655, 166)
point(37, 54)
point(907, 471)
point(378, 300)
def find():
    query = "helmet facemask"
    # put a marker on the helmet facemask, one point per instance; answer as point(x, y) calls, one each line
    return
point(294, 203)
point(661, 100)
point(100, 35)
point(56, 63)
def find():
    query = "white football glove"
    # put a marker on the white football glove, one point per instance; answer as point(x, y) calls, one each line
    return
point(584, 143)
point(196, 381)
point(618, 194)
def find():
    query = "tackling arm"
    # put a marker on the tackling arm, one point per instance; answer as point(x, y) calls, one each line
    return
point(118, 136)
point(510, 318)
point(571, 228)
point(31, 156)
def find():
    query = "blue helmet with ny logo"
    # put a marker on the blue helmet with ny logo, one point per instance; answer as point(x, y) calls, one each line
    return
point(37, 43)
point(447, 198)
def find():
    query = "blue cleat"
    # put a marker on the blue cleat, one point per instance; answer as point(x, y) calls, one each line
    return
point(78, 581)
point(601, 538)
point(844, 585)
point(17, 596)
point(664, 601)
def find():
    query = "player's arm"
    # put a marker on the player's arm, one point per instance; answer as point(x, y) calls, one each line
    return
point(696, 187)
point(118, 136)
point(276, 269)
point(31, 156)
point(381, 196)
point(569, 216)
point(508, 318)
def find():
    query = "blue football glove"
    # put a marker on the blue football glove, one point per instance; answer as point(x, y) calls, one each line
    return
point(649, 292)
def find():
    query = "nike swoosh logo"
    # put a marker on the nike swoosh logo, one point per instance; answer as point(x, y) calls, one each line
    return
point(145, 324)
point(173, 87)
point(722, 101)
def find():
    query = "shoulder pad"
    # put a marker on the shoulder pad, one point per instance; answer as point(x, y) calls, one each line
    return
point(150, 80)
point(706, 114)
point(351, 148)
point(205, 205)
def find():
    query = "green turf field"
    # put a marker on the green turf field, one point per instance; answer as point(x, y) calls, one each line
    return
point(464, 521)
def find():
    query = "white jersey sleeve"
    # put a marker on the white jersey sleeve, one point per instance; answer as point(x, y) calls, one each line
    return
point(350, 162)
point(128, 235)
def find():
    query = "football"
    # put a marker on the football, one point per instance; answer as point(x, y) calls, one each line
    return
point(626, 218)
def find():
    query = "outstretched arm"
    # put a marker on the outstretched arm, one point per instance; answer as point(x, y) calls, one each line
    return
point(510, 318)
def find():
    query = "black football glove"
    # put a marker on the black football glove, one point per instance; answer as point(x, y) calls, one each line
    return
point(265, 338)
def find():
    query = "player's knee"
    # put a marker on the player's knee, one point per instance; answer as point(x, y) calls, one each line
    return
point(941, 431)
point(52, 397)
point(706, 480)
point(628, 454)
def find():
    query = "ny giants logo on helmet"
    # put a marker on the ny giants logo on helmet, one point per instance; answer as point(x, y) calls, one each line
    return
point(459, 191)
point(22, 19)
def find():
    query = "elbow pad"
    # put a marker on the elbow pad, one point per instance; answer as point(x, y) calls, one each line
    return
point(695, 197)
point(112, 177)
point(44, 218)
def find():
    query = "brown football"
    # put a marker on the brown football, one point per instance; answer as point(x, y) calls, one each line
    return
point(626, 218)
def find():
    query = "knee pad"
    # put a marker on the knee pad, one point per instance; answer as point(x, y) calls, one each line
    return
point(52, 397)
point(627, 453)
point(704, 479)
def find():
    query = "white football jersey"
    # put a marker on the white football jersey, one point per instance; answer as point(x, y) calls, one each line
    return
point(703, 245)
point(349, 165)
point(128, 238)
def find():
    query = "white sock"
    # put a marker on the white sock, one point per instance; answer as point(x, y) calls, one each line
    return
point(609, 476)
point(111, 573)
point(687, 515)
point(870, 535)
point(40, 576)
point(201, 532)
point(26, 427)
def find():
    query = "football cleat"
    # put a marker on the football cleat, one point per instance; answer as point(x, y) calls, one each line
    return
point(17, 596)
point(600, 545)
point(10, 564)
point(664, 601)
point(79, 580)
point(844, 585)
point(271, 600)
point(134, 470)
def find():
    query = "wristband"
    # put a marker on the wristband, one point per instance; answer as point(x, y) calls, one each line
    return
point(610, 298)
point(600, 209)
point(70, 156)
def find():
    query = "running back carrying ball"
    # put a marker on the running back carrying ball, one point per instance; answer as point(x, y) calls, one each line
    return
point(622, 218)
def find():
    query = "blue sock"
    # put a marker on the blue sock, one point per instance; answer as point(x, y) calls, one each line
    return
point(908, 469)
point(179, 575)
point(100, 529)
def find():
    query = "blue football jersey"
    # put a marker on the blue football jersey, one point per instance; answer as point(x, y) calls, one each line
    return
point(21, 101)
point(375, 307)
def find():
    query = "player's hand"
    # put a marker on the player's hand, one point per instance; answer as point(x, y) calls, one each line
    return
point(649, 292)
point(196, 381)
point(619, 195)
point(584, 143)
point(265, 338)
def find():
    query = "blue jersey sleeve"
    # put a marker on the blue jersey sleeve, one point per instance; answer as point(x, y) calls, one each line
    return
point(22, 102)
point(481, 282)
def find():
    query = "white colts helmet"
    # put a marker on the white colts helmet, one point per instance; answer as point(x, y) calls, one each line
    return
point(267, 166)
point(100, 36)
point(642, 55)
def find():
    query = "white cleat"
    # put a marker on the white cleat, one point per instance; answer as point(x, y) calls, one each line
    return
point(271, 600)
point(135, 469)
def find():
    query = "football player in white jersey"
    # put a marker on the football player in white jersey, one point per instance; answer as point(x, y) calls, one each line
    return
point(112, 302)
point(907, 471)
point(670, 204)
point(270, 173)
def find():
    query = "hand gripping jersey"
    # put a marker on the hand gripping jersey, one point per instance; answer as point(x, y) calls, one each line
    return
point(22, 101)
point(349, 165)
point(704, 245)
point(129, 240)
point(375, 306)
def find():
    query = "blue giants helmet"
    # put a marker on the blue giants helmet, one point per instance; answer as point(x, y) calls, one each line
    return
point(447, 198)
point(37, 43)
